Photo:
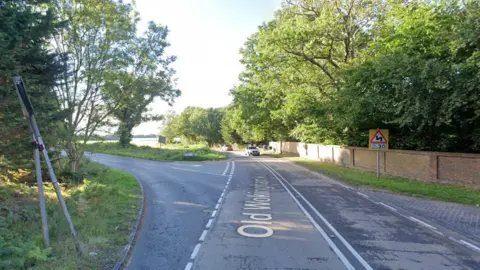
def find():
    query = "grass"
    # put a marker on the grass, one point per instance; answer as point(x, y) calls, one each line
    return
point(170, 153)
point(443, 192)
point(103, 208)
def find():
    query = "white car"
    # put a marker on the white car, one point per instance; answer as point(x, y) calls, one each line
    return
point(252, 151)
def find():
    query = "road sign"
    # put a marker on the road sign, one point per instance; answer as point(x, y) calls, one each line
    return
point(378, 139)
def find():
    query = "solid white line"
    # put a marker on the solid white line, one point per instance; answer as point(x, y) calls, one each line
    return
point(220, 200)
point(189, 266)
point(216, 206)
point(347, 187)
point(195, 251)
point(209, 223)
point(214, 213)
point(388, 206)
point(335, 249)
point(470, 245)
point(422, 223)
point(202, 237)
point(338, 235)
point(226, 168)
point(363, 195)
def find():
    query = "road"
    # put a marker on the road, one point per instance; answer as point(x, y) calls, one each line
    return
point(264, 213)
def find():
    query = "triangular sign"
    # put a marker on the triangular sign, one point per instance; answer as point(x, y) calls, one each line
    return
point(378, 138)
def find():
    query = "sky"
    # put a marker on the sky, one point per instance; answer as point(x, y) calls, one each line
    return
point(206, 36)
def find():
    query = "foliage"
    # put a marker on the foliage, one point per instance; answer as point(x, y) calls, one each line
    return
point(25, 30)
point(103, 210)
point(195, 125)
point(171, 152)
point(327, 71)
point(146, 75)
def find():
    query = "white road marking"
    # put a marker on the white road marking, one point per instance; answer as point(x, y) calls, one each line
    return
point(216, 206)
point(437, 232)
point(388, 206)
point(342, 185)
point(363, 195)
point(220, 200)
point(223, 193)
point(202, 237)
point(335, 249)
point(233, 168)
point(189, 266)
point(209, 223)
point(422, 223)
point(214, 213)
point(470, 245)
point(195, 251)
point(226, 168)
point(338, 235)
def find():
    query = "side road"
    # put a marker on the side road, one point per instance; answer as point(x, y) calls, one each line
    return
point(460, 223)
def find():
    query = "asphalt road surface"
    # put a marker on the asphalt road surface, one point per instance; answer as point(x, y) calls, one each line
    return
point(264, 213)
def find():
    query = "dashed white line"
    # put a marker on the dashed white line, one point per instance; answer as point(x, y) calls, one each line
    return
point(226, 168)
point(437, 232)
point(195, 251)
point(233, 168)
point(422, 223)
point(189, 266)
point(216, 206)
point(363, 195)
point(214, 213)
point(209, 223)
point(223, 193)
point(388, 206)
point(202, 237)
point(472, 246)
point(220, 200)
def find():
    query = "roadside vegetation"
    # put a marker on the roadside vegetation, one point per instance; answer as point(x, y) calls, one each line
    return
point(170, 152)
point(354, 177)
point(103, 208)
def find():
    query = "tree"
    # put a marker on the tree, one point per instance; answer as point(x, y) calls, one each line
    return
point(91, 49)
point(145, 77)
point(25, 30)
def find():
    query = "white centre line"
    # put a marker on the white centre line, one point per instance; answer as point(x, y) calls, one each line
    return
point(214, 213)
point(216, 206)
point(220, 200)
point(209, 223)
point(470, 245)
point(233, 168)
point(202, 237)
point(195, 251)
point(422, 223)
point(226, 168)
point(338, 235)
point(335, 249)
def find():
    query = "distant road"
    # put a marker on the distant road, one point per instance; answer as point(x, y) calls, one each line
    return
point(262, 213)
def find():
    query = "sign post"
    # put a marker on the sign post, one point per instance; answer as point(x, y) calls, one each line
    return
point(378, 140)
point(37, 141)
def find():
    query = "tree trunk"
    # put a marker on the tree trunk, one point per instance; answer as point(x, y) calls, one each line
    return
point(125, 132)
point(74, 157)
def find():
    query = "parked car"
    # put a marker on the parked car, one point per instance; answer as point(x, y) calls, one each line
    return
point(252, 151)
point(227, 147)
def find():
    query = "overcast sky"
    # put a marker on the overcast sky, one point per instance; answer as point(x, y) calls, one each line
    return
point(206, 36)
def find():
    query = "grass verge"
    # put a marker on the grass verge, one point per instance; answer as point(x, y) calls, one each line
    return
point(103, 209)
point(171, 152)
point(443, 192)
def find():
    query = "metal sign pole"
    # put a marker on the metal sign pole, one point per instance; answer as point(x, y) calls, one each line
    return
point(378, 163)
point(28, 112)
point(41, 194)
